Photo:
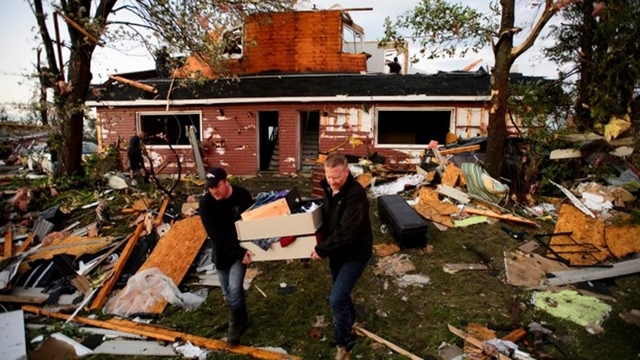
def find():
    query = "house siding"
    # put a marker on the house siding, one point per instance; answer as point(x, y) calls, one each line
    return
point(347, 127)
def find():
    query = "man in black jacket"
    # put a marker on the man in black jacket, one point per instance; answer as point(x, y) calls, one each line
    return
point(347, 241)
point(219, 209)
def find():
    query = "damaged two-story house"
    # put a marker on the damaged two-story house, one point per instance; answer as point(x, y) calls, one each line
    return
point(299, 89)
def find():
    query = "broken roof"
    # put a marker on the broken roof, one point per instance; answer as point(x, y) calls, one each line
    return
point(469, 86)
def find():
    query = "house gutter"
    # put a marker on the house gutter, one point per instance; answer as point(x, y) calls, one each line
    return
point(258, 100)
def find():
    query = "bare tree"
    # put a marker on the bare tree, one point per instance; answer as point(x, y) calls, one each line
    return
point(187, 27)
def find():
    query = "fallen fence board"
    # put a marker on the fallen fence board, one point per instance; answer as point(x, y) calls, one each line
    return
point(165, 334)
point(387, 343)
point(101, 298)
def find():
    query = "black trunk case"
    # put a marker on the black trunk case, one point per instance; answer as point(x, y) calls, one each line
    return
point(406, 225)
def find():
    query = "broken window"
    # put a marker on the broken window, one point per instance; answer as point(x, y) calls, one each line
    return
point(411, 127)
point(232, 40)
point(352, 40)
point(169, 127)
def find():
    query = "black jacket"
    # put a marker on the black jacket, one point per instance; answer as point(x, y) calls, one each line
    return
point(218, 218)
point(346, 226)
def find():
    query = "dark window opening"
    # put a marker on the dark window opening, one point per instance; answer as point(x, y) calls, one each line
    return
point(172, 128)
point(412, 127)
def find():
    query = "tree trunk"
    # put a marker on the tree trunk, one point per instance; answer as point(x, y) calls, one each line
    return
point(499, 92)
point(71, 110)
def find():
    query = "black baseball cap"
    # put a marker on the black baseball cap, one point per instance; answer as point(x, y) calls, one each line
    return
point(215, 175)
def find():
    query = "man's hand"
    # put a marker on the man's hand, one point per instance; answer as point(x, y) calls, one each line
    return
point(247, 257)
point(315, 256)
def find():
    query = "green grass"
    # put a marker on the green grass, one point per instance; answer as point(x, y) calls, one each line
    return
point(413, 318)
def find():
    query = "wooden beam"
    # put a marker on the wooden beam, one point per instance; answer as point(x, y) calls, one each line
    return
point(135, 84)
point(101, 298)
point(8, 241)
point(163, 208)
point(460, 149)
point(164, 334)
point(75, 25)
point(23, 299)
point(386, 343)
point(26, 243)
point(472, 65)
point(493, 214)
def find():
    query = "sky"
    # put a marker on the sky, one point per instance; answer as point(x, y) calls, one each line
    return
point(18, 43)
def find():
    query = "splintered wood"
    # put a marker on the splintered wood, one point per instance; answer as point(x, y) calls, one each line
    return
point(71, 245)
point(175, 252)
point(430, 207)
point(453, 176)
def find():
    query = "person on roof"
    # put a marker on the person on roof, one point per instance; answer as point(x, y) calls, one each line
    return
point(394, 66)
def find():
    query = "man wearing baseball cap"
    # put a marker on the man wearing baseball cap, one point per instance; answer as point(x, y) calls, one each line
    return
point(219, 209)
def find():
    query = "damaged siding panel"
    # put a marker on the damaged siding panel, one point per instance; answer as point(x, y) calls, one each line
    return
point(289, 139)
point(229, 138)
point(471, 122)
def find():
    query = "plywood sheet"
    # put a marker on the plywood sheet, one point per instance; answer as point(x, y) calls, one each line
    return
point(622, 239)
point(175, 252)
point(586, 244)
point(529, 269)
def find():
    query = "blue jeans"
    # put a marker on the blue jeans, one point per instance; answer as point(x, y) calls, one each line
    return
point(344, 275)
point(231, 282)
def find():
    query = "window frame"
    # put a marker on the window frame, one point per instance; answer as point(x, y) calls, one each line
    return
point(139, 123)
point(376, 129)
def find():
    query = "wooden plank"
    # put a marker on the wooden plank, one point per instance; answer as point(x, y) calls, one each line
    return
point(164, 334)
point(76, 26)
point(493, 214)
point(460, 149)
point(26, 243)
point(175, 252)
point(135, 84)
point(163, 209)
point(101, 298)
point(23, 299)
point(387, 343)
point(473, 341)
point(8, 241)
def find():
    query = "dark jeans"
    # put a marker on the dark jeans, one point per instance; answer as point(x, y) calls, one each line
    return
point(345, 275)
point(231, 282)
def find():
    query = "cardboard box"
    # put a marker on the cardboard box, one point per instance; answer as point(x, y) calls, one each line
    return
point(301, 248)
point(287, 225)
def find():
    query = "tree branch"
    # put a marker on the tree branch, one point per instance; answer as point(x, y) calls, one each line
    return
point(38, 12)
point(549, 10)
